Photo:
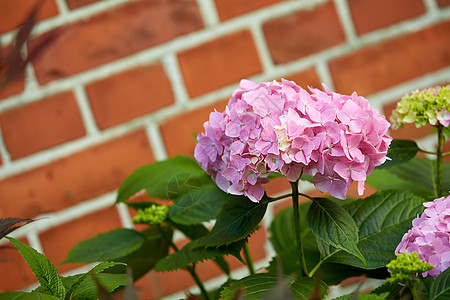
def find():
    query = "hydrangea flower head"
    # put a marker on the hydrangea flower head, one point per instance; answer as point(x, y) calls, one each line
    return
point(430, 236)
point(429, 106)
point(280, 127)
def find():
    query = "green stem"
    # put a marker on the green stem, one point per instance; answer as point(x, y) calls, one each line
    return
point(439, 172)
point(427, 152)
point(295, 205)
point(270, 199)
point(412, 288)
point(198, 282)
point(190, 269)
point(248, 259)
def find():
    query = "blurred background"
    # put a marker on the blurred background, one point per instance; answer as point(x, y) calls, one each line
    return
point(123, 83)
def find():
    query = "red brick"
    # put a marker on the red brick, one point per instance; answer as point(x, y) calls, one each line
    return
point(179, 132)
point(14, 12)
point(220, 62)
point(15, 274)
point(81, 176)
point(41, 125)
point(130, 94)
point(407, 132)
point(305, 78)
point(276, 186)
point(386, 64)
point(11, 88)
point(303, 33)
point(228, 9)
point(79, 3)
point(370, 15)
point(443, 3)
point(59, 240)
point(121, 31)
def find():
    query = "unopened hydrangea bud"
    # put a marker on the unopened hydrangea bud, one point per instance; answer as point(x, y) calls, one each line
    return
point(152, 215)
point(406, 267)
point(429, 106)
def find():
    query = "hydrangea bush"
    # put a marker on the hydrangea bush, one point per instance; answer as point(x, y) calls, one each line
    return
point(268, 130)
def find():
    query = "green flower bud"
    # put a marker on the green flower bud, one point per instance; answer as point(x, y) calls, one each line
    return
point(152, 215)
point(429, 106)
point(405, 268)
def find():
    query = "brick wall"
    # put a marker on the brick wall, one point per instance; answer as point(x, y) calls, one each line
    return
point(127, 82)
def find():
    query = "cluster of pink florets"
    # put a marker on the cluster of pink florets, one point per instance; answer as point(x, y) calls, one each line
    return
point(280, 127)
point(430, 236)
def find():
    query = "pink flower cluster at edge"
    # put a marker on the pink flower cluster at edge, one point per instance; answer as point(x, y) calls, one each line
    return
point(430, 236)
point(280, 127)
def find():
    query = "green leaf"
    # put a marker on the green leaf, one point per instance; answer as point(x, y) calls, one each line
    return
point(191, 254)
point(440, 287)
point(95, 270)
point(400, 151)
point(382, 219)
point(106, 246)
point(384, 180)
point(165, 179)
point(418, 170)
point(392, 289)
point(191, 231)
point(146, 256)
point(416, 176)
point(334, 226)
point(26, 296)
point(198, 205)
point(361, 296)
point(196, 231)
point(88, 290)
point(237, 220)
point(43, 269)
point(282, 233)
point(255, 286)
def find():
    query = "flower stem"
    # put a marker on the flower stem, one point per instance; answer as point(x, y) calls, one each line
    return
point(412, 288)
point(199, 283)
point(270, 199)
point(427, 152)
point(439, 172)
point(295, 205)
point(190, 269)
point(248, 259)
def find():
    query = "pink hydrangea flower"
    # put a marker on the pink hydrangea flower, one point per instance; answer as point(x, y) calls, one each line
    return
point(280, 127)
point(430, 236)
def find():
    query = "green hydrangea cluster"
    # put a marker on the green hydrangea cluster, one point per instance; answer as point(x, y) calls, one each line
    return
point(152, 215)
point(406, 266)
point(429, 106)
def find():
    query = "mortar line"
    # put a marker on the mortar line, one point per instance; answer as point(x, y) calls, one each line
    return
point(262, 48)
point(345, 18)
point(85, 110)
point(172, 68)
point(209, 12)
point(124, 215)
point(156, 141)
